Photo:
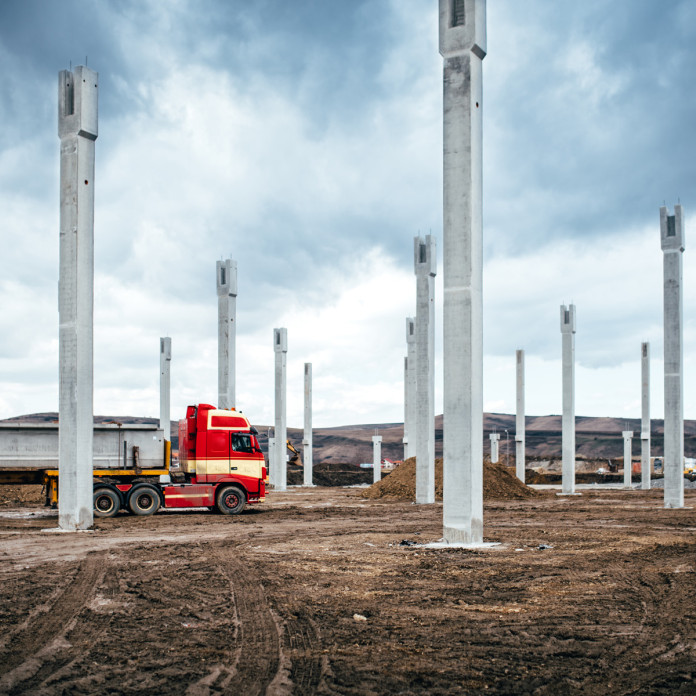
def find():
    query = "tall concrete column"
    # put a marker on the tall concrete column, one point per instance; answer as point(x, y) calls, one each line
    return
point(463, 47)
point(645, 417)
point(272, 468)
point(495, 439)
point(280, 346)
point(77, 129)
point(425, 263)
point(568, 427)
point(376, 458)
point(520, 435)
point(227, 332)
point(165, 386)
point(628, 454)
point(411, 435)
point(307, 440)
point(672, 240)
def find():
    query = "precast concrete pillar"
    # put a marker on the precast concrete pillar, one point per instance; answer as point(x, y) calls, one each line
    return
point(672, 241)
point(495, 439)
point(520, 463)
point(411, 435)
point(307, 440)
point(227, 332)
point(425, 263)
point(568, 425)
point(272, 468)
point(376, 458)
point(165, 386)
point(628, 454)
point(280, 346)
point(77, 130)
point(645, 417)
point(463, 47)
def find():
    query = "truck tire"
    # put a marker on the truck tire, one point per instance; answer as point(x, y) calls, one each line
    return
point(107, 502)
point(230, 500)
point(144, 500)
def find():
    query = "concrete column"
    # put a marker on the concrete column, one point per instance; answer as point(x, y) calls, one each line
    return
point(411, 388)
point(495, 438)
point(307, 440)
point(165, 386)
point(272, 468)
point(672, 239)
point(376, 458)
point(227, 332)
point(425, 262)
point(77, 129)
point(280, 346)
point(404, 440)
point(568, 436)
point(463, 47)
point(627, 438)
point(645, 417)
point(520, 456)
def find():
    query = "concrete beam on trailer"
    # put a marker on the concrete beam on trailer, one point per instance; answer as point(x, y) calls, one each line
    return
point(165, 386)
point(280, 347)
point(78, 131)
point(628, 454)
point(226, 272)
point(568, 418)
point(376, 458)
point(307, 439)
point(645, 417)
point(672, 242)
point(463, 47)
point(520, 456)
point(425, 266)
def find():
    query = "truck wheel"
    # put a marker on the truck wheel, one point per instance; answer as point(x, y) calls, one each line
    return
point(144, 500)
point(106, 502)
point(231, 500)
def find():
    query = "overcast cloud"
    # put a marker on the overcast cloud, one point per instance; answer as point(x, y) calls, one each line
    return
point(304, 140)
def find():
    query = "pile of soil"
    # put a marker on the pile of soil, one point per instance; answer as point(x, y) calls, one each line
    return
point(25, 494)
point(498, 483)
point(331, 474)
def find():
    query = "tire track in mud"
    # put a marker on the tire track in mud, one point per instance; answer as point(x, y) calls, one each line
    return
point(273, 653)
point(41, 646)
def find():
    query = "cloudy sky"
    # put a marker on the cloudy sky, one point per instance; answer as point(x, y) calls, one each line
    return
point(304, 140)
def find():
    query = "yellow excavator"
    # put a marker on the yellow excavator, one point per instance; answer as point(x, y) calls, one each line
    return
point(296, 458)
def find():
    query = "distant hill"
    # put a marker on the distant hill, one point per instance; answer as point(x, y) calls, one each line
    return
point(596, 438)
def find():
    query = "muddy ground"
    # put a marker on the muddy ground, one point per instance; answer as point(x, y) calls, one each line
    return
point(313, 592)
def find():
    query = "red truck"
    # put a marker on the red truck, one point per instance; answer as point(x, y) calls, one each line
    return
point(221, 466)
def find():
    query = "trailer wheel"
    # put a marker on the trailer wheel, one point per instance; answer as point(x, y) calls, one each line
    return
point(106, 502)
point(231, 500)
point(144, 500)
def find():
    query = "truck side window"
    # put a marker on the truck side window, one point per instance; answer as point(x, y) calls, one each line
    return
point(241, 443)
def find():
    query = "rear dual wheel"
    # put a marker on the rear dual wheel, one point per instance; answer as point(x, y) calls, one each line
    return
point(144, 500)
point(107, 502)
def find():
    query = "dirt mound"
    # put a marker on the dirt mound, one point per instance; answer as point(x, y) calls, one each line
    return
point(332, 474)
point(498, 483)
point(25, 494)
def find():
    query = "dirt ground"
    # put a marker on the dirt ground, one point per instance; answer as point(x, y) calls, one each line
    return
point(321, 591)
